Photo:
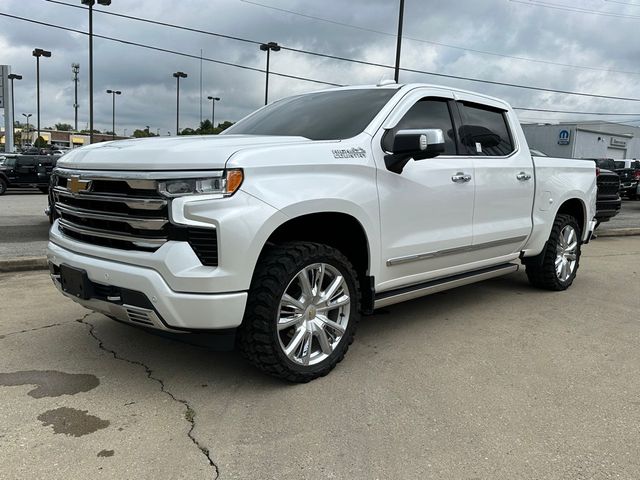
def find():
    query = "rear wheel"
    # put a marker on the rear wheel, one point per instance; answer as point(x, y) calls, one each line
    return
point(3, 186)
point(302, 311)
point(559, 263)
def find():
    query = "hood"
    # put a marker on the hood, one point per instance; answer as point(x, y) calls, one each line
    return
point(167, 153)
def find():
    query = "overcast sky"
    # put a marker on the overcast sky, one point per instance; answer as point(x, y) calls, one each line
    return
point(500, 26)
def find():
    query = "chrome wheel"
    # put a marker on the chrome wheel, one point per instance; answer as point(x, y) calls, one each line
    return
point(566, 253)
point(313, 314)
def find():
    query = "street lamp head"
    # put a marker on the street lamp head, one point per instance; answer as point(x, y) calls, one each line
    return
point(14, 76)
point(118, 92)
point(27, 115)
point(109, 91)
point(273, 46)
point(90, 3)
point(38, 52)
point(180, 75)
point(215, 99)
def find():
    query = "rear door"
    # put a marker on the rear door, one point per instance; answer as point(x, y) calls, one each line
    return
point(26, 170)
point(504, 179)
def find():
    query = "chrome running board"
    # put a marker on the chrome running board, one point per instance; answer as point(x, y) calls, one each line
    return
point(434, 286)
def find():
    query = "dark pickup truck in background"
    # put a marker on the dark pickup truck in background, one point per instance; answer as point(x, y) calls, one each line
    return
point(629, 173)
point(26, 171)
point(608, 202)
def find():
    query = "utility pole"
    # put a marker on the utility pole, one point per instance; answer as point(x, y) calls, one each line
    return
point(38, 52)
point(113, 94)
point(12, 77)
point(268, 47)
point(399, 44)
point(213, 109)
point(178, 76)
point(90, 4)
point(75, 68)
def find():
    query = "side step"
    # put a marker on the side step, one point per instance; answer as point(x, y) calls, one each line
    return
point(434, 286)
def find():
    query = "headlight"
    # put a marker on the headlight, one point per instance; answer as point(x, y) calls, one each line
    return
point(226, 185)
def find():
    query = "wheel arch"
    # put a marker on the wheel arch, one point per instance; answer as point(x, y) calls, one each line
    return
point(338, 229)
point(576, 208)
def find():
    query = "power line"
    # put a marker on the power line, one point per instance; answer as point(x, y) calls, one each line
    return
point(163, 24)
point(567, 8)
point(623, 3)
point(577, 112)
point(440, 44)
point(424, 72)
point(364, 62)
point(166, 50)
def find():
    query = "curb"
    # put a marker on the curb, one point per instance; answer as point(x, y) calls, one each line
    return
point(20, 264)
point(618, 232)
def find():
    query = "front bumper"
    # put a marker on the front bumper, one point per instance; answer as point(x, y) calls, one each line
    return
point(166, 309)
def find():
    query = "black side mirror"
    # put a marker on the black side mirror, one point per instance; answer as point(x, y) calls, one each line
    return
point(416, 144)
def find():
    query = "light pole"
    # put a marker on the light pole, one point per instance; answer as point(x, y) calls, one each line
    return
point(213, 109)
point(38, 52)
point(178, 76)
point(90, 4)
point(26, 115)
point(75, 68)
point(113, 110)
point(12, 77)
point(268, 47)
point(399, 42)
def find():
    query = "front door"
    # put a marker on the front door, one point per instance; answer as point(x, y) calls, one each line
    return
point(426, 212)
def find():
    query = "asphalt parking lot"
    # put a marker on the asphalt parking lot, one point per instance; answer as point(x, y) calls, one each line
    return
point(490, 381)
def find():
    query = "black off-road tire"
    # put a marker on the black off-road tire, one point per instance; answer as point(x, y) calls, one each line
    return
point(3, 186)
point(257, 337)
point(542, 274)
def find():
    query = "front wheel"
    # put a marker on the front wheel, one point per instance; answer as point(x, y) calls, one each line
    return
point(559, 263)
point(3, 186)
point(302, 311)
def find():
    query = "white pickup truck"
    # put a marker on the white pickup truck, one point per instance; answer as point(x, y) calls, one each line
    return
point(280, 233)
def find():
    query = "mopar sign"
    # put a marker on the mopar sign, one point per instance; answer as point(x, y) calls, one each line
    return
point(564, 137)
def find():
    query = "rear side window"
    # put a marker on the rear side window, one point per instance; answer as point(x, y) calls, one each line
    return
point(26, 162)
point(619, 165)
point(426, 113)
point(485, 131)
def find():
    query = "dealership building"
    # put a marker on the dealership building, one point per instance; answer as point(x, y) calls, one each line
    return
point(585, 140)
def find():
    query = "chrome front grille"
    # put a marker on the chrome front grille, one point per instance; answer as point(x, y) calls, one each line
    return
point(124, 210)
point(105, 209)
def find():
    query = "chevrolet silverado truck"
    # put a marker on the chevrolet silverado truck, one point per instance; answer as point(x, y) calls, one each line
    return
point(310, 212)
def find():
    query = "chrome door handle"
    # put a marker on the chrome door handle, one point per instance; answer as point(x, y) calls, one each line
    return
point(522, 176)
point(461, 177)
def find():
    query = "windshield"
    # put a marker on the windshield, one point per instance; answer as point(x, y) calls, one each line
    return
point(333, 115)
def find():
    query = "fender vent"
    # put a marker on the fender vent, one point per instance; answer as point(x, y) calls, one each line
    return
point(204, 243)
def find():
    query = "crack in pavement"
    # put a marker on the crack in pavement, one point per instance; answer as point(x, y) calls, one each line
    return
point(189, 413)
point(35, 329)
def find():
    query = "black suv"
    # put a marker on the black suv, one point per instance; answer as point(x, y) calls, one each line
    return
point(26, 171)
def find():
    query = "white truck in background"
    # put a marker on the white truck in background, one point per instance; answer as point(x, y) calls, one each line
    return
point(280, 233)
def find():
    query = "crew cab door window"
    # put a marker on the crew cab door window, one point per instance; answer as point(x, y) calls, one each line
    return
point(484, 131)
point(426, 113)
